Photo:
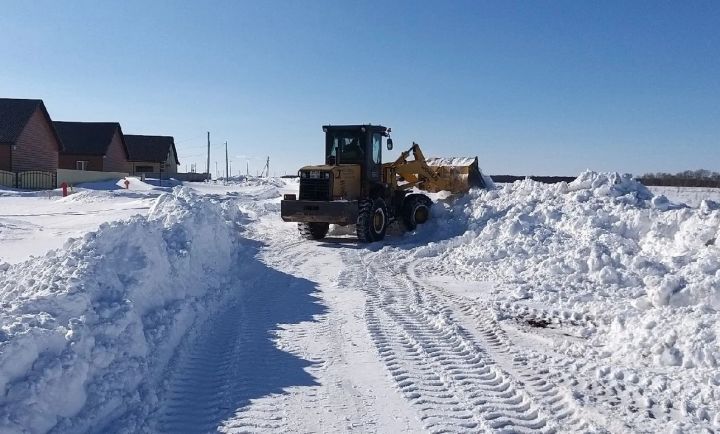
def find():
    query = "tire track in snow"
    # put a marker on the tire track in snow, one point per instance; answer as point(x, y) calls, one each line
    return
point(197, 396)
point(211, 383)
point(538, 381)
point(555, 390)
point(234, 362)
point(452, 382)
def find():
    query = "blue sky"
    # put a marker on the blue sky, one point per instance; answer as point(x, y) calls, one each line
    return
point(535, 87)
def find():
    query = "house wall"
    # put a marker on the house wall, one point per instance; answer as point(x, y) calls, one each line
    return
point(5, 157)
point(116, 157)
point(170, 165)
point(67, 161)
point(135, 164)
point(169, 168)
point(36, 148)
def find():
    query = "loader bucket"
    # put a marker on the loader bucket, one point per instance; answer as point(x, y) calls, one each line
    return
point(458, 175)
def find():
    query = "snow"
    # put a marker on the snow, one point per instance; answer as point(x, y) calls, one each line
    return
point(33, 223)
point(133, 183)
point(583, 306)
point(646, 272)
point(86, 325)
point(451, 161)
point(692, 196)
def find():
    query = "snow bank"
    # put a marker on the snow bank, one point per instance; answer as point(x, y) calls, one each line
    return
point(83, 329)
point(253, 181)
point(134, 183)
point(602, 246)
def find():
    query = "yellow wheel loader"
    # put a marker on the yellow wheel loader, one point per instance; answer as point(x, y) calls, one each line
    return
point(355, 187)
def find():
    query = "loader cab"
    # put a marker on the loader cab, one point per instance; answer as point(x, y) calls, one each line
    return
point(356, 144)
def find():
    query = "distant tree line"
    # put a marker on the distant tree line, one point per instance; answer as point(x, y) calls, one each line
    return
point(688, 178)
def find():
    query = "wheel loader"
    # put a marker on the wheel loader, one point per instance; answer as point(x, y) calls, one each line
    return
point(354, 187)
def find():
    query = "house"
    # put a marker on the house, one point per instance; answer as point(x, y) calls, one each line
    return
point(28, 140)
point(97, 146)
point(152, 154)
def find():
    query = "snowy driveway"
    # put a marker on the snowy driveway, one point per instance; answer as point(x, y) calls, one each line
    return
point(394, 353)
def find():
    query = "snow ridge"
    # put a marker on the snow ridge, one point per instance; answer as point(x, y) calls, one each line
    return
point(84, 328)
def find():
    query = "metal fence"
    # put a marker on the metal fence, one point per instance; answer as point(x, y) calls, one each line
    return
point(7, 179)
point(29, 180)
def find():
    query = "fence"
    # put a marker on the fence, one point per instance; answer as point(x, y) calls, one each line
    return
point(74, 177)
point(7, 179)
point(191, 176)
point(29, 180)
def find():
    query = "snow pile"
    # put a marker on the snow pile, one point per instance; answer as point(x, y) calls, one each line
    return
point(85, 328)
point(134, 183)
point(603, 247)
point(254, 181)
point(608, 184)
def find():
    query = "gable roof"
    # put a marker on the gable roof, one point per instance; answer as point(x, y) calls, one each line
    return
point(88, 138)
point(150, 148)
point(15, 114)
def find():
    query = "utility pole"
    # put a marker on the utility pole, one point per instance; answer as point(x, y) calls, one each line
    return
point(208, 155)
point(217, 172)
point(247, 169)
point(266, 168)
point(227, 165)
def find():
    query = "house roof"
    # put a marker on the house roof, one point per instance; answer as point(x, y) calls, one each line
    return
point(87, 138)
point(150, 148)
point(15, 114)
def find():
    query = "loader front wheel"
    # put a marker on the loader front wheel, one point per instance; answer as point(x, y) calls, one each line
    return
point(313, 231)
point(372, 220)
point(416, 211)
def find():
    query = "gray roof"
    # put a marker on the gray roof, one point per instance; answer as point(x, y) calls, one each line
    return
point(15, 114)
point(150, 148)
point(86, 138)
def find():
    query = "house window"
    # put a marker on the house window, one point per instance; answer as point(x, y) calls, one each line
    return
point(81, 165)
point(144, 169)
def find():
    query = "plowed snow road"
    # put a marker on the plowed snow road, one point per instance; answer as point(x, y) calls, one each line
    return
point(346, 340)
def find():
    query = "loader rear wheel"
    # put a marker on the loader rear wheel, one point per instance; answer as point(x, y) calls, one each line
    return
point(313, 231)
point(372, 220)
point(416, 211)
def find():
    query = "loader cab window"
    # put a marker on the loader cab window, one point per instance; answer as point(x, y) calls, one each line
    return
point(376, 148)
point(345, 147)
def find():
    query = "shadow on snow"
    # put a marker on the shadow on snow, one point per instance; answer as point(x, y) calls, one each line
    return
point(232, 358)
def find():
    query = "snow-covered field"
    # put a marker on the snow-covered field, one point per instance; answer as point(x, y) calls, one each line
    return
point(691, 196)
point(582, 307)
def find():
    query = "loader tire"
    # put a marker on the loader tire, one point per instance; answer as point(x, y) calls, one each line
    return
point(416, 211)
point(372, 220)
point(313, 231)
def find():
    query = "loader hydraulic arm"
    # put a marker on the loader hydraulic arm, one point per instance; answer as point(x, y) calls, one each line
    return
point(415, 171)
